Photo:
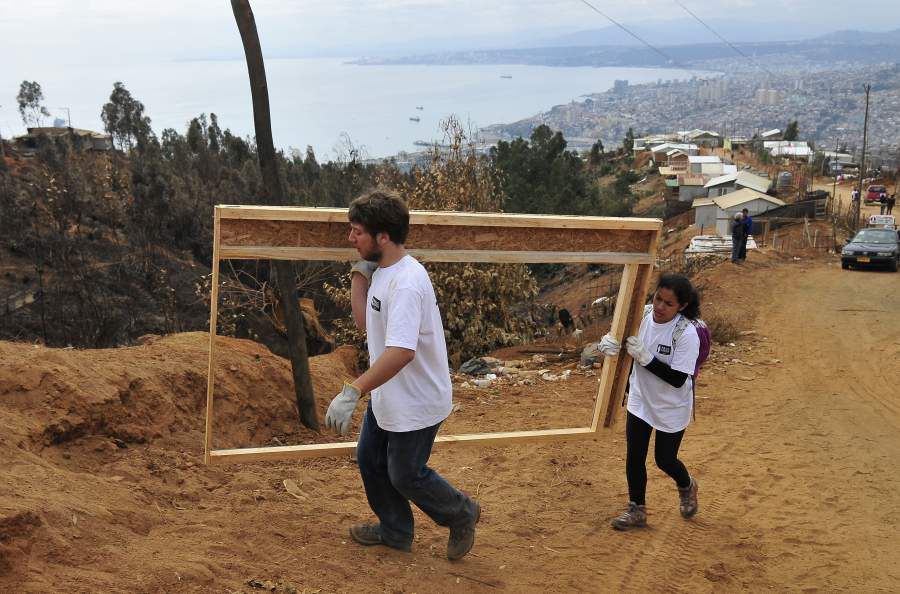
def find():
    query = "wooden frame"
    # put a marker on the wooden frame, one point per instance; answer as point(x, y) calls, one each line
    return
point(292, 233)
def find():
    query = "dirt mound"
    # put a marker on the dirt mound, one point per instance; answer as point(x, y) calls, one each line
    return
point(70, 421)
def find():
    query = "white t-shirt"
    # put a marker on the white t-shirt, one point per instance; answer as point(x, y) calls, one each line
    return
point(402, 311)
point(663, 406)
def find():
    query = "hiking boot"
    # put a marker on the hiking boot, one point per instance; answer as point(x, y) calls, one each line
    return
point(370, 534)
point(462, 537)
point(634, 517)
point(688, 497)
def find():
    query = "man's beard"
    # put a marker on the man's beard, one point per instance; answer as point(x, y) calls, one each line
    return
point(372, 256)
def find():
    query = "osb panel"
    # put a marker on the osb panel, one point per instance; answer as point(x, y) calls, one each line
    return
point(236, 232)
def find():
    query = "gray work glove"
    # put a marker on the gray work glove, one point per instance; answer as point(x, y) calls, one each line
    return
point(365, 268)
point(609, 345)
point(340, 411)
point(638, 351)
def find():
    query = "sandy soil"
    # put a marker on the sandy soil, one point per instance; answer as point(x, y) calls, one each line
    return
point(795, 448)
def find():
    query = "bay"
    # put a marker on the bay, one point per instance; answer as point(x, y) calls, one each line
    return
point(318, 102)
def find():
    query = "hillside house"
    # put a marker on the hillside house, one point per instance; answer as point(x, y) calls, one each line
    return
point(696, 162)
point(717, 213)
point(679, 160)
point(87, 140)
point(703, 138)
point(660, 153)
point(689, 187)
point(790, 149)
point(646, 143)
point(733, 143)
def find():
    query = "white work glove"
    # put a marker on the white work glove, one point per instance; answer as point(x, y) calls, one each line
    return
point(609, 345)
point(340, 411)
point(365, 268)
point(638, 351)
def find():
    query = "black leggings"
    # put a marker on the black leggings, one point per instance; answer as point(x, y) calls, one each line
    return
point(637, 436)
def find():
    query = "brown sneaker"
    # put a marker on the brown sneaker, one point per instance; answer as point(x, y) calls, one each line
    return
point(634, 517)
point(688, 498)
point(462, 537)
point(370, 534)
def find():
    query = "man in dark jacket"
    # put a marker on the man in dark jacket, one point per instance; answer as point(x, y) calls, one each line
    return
point(747, 220)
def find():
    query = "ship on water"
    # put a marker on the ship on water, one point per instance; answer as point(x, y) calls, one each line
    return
point(506, 76)
point(414, 119)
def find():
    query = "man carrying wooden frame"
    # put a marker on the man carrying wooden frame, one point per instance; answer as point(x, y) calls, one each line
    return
point(393, 301)
point(292, 233)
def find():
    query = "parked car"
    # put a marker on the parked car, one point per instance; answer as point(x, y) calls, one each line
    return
point(873, 193)
point(872, 247)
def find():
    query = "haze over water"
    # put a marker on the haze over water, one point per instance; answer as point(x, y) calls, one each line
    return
point(315, 101)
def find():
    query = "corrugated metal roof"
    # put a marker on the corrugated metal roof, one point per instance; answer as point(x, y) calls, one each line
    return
point(742, 178)
point(704, 201)
point(741, 196)
point(704, 159)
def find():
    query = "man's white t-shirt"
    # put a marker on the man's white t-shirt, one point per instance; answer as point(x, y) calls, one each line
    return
point(663, 406)
point(402, 311)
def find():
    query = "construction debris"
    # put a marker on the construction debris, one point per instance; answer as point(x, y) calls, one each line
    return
point(715, 244)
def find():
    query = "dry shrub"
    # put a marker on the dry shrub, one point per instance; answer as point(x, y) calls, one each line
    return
point(483, 305)
point(723, 326)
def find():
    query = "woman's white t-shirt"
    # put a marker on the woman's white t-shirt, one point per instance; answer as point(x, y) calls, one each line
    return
point(663, 406)
point(402, 311)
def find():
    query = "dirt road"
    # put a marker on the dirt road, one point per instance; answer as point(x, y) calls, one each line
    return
point(795, 448)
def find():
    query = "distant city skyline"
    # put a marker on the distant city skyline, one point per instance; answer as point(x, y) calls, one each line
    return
point(120, 31)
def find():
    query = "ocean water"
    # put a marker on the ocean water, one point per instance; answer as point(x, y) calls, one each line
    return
point(317, 102)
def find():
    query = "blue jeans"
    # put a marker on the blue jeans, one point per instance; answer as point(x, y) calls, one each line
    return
point(394, 471)
point(736, 244)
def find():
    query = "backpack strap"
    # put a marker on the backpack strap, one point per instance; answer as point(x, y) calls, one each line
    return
point(680, 326)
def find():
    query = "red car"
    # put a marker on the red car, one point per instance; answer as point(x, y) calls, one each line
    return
point(873, 193)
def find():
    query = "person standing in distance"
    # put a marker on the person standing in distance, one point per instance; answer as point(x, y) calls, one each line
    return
point(660, 395)
point(393, 301)
point(748, 230)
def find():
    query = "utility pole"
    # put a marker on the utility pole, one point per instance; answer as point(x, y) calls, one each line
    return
point(834, 172)
point(862, 164)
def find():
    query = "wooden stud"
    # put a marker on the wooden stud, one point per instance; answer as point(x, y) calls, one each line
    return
point(605, 399)
point(467, 219)
point(213, 317)
point(487, 256)
point(634, 313)
point(326, 449)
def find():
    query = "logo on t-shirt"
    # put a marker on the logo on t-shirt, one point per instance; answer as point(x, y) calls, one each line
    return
point(664, 349)
point(376, 304)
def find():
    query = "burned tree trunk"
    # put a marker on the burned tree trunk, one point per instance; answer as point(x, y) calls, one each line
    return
point(285, 275)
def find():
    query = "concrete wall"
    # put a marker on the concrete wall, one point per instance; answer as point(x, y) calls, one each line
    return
point(705, 216)
point(688, 193)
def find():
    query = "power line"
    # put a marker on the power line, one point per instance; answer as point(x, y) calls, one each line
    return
point(635, 35)
point(725, 41)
